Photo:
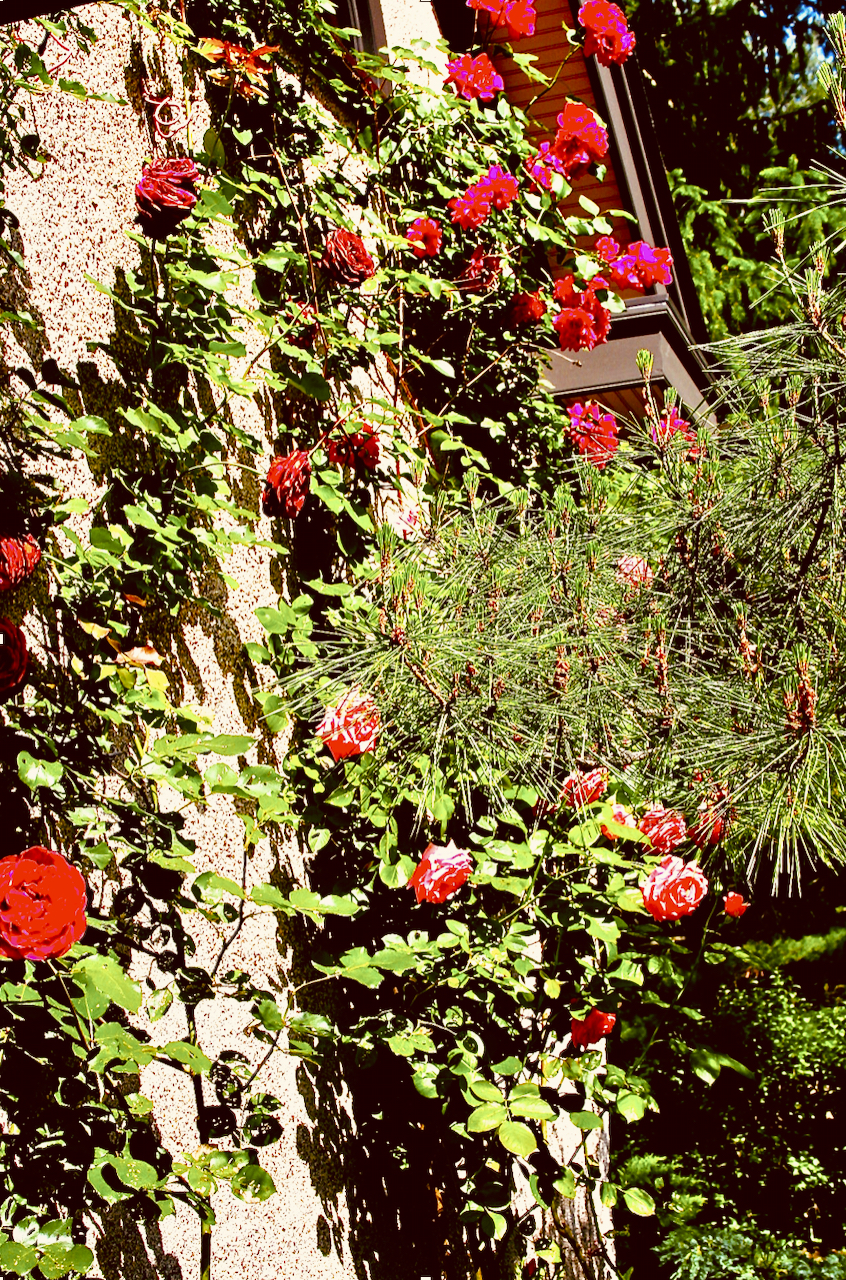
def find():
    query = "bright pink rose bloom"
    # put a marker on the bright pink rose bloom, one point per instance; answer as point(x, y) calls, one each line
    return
point(593, 432)
point(471, 209)
point(673, 889)
point(607, 249)
point(527, 308)
point(42, 905)
point(425, 237)
point(640, 267)
point(479, 273)
point(633, 571)
point(352, 726)
point(441, 872)
point(606, 32)
point(357, 448)
point(665, 828)
point(592, 1029)
point(621, 815)
point(287, 485)
point(474, 77)
point(582, 787)
point(518, 15)
point(500, 185)
point(734, 904)
point(580, 141)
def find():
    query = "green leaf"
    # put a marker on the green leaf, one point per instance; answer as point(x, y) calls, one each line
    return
point(532, 1108)
point(213, 148)
point(134, 1173)
point(585, 1120)
point(252, 1183)
point(58, 1259)
point(189, 1054)
point(158, 1003)
point(17, 1258)
point(485, 1090)
point(508, 1067)
point(105, 975)
point(312, 385)
point(226, 744)
point(608, 1194)
point(38, 773)
point(639, 1202)
point(486, 1117)
point(517, 1138)
point(566, 1184)
point(631, 1106)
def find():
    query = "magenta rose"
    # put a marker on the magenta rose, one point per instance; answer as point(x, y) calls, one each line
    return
point(165, 195)
point(345, 258)
point(441, 872)
point(42, 905)
point(13, 659)
point(19, 559)
point(673, 889)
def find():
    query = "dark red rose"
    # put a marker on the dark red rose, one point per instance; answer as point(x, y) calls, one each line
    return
point(356, 448)
point(734, 904)
point(527, 308)
point(287, 485)
point(42, 905)
point(480, 272)
point(165, 195)
point(13, 659)
point(345, 258)
point(19, 559)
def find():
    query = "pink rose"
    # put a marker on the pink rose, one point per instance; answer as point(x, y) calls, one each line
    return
point(590, 1030)
point(582, 787)
point(352, 726)
point(441, 872)
point(621, 815)
point(673, 889)
point(665, 828)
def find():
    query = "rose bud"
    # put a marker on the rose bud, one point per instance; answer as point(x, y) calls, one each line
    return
point(345, 258)
point(592, 1029)
point(165, 195)
point(352, 726)
point(42, 905)
point(441, 872)
point(734, 905)
point(287, 485)
point(19, 559)
point(13, 659)
point(673, 889)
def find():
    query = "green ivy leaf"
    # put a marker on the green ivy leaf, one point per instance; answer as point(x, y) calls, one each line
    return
point(38, 773)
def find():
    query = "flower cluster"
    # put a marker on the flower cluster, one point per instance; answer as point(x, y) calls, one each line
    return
point(355, 448)
point(518, 16)
point(494, 190)
point(606, 32)
point(638, 267)
point(579, 142)
point(442, 871)
point(425, 237)
point(474, 77)
point(42, 905)
point(593, 432)
point(352, 726)
point(165, 195)
point(582, 323)
point(287, 485)
point(19, 558)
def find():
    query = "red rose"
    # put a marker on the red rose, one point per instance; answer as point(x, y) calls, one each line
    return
point(441, 872)
point(606, 32)
point(480, 272)
point(352, 726)
point(734, 905)
point(673, 889)
point(345, 258)
point(590, 1030)
point(583, 323)
point(500, 185)
point(665, 828)
point(593, 432)
point(357, 447)
point(425, 237)
point(541, 167)
point(527, 308)
point(42, 905)
point(287, 485)
point(622, 816)
point(607, 249)
point(19, 559)
point(581, 787)
point(13, 659)
point(712, 819)
point(633, 571)
point(474, 77)
point(471, 209)
point(165, 195)
point(518, 15)
point(580, 141)
point(640, 267)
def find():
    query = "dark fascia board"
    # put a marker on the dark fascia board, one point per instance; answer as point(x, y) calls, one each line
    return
point(639, 169)
point(648, 324)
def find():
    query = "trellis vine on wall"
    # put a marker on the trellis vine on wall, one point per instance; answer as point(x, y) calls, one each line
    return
point(381, 279)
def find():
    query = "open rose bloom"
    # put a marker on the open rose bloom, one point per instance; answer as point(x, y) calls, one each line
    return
point(13, 659)
point(664, 828)
point(592, 1029)
point(19, 559)
point(674, 889)
point(287, 485)
point(441, 872)
point(166, 195)
point(42, 905)
point(352, 726)
point(345, 258)
point(583, 787)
